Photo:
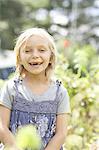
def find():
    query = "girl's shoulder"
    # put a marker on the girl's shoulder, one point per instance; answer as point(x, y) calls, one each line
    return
point(59, 83)
point(62, 89)
point(10, 84)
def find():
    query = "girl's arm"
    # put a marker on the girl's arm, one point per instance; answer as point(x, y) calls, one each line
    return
point(61, 130)
point(6, 137)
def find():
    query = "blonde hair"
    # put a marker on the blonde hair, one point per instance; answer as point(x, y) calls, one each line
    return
point(24, 37)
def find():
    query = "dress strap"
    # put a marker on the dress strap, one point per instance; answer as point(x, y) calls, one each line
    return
point(16, 82)
point(58, 83)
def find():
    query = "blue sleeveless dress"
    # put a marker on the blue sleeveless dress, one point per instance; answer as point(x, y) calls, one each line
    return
point(40, 114)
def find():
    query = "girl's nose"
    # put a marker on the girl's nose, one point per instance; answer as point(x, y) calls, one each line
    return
point(35, 53)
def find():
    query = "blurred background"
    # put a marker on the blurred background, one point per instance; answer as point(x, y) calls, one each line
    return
point(75, 26)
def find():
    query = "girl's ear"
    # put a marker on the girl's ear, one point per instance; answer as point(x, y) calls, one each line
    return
point(51, 58)
point(50, 61)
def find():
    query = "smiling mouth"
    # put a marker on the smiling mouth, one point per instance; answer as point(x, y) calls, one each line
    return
point(35, 64)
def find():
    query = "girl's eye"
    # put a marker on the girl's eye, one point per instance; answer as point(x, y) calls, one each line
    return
point(42, 50)
point(27, 51)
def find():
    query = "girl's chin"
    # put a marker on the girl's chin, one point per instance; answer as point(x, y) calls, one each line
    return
point(36, 72)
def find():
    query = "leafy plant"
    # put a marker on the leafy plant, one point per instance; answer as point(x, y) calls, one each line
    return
point(83, 88)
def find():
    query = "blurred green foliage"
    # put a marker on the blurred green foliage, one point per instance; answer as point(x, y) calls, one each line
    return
point(79, 72)
point(68, 18)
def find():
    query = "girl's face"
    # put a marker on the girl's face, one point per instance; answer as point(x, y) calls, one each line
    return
point(35, 55)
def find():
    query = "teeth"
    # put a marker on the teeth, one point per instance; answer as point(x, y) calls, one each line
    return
point(34, 63)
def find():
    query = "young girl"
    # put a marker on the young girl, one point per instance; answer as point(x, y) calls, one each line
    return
point(33, 97)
